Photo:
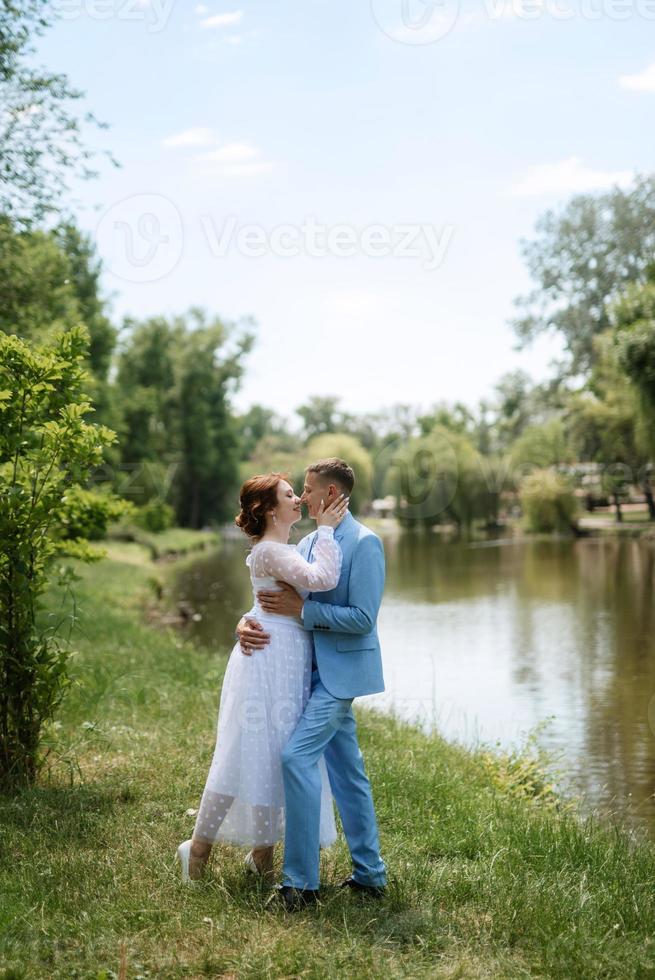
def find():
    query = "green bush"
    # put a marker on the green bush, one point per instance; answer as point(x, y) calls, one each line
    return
point(548, 501)
point(87, 513)
point(155, 516)
point(47, 450)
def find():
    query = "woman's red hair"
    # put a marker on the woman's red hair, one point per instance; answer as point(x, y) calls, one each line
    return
point(257, 496)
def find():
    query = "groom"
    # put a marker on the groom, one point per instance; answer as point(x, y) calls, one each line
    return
point(346, 664)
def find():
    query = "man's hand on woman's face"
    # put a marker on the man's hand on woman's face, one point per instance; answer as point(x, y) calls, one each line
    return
point(251, 635)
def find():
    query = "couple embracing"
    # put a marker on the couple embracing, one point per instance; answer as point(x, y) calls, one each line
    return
point(286, 744)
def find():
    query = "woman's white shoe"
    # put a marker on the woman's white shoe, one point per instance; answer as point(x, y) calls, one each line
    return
point(251, 864)
point(183, 854)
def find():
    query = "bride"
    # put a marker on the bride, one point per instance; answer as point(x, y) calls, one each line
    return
point(263, 695)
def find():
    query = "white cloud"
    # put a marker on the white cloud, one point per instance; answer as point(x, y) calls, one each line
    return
point(234, 160)
point(201, 9)
point(567, 176)
point(232, 153)
point(643, 81)
point(228, 160)
point(222, 20)
point(200, 136)
point(245, 169)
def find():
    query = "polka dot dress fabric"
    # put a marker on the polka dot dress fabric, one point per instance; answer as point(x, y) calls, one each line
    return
point(262, 699)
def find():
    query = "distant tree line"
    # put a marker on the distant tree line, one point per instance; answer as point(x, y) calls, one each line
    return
point(165, 386)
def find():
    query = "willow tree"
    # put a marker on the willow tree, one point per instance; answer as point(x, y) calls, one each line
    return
point(441, 478)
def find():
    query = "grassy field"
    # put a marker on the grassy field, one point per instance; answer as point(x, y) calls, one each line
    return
point(490, 877)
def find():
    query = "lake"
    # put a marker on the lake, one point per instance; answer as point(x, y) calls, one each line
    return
point(488, 641)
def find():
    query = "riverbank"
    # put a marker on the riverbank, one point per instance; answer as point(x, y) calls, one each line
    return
point(490, 875)
point(634, 525)
point(166, 545)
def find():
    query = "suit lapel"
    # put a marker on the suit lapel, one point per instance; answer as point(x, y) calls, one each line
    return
point(346, 525)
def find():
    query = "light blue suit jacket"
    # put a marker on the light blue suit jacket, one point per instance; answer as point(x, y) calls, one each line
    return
point(344, 620)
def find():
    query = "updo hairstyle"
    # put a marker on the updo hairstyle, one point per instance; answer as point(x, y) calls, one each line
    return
point(257, 497)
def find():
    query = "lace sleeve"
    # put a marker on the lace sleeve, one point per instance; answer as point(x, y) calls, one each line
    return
point(284, 563)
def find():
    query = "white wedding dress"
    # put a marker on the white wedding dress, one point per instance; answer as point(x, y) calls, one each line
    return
point(262, 699)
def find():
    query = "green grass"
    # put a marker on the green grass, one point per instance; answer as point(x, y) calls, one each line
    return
point(484, 880)
point(175, 541)
point(608, 517)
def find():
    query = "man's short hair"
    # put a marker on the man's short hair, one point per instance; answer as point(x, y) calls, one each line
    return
point(335, 470)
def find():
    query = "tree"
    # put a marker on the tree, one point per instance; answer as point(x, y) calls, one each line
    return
point(455, 418)
point(84, 270)
point(145, 381)
point(548, 502)
point(280, 453)
point(38, 296)
point(582, 258)
point(540, 446)
point(50, 280)
point(482, 430)
point(604, 426)
point(365, 428)
point(633, 317)
point(398, 421)
point(441, 478)
point(208, 471)
point(256, 424)
point(513, 407)
point(47, 449)
point(41, 145)
point(176, 379)
point(321, 414)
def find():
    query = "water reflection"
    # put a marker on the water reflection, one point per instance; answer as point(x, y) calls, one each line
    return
point(485, 641)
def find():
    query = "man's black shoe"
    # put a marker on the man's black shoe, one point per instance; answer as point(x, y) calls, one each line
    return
point(375, 891)
point(295, 899)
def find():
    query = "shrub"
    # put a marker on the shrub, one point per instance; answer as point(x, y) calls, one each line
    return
point(548, 501)
point(156, 515)
point(86, 513)
point(47, 450)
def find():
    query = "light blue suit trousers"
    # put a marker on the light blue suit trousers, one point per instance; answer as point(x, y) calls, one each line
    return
point(327, 725)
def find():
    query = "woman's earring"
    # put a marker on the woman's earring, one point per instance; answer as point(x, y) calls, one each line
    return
point(274, 519)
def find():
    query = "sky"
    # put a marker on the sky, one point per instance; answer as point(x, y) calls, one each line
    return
point(353, 175)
